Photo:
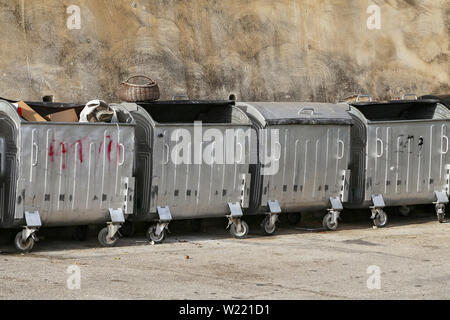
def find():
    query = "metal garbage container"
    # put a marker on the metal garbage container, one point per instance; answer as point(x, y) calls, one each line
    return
point(64, 174)
point(192, 161)
point(303, 159)
point(399, 156)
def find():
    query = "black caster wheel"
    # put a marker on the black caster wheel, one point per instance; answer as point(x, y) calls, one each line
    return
point(104, 240)
point(23, 246)
point(266, 229)
point(380, 220)
point(243, 233)
point(151, 235)
point(328, 223)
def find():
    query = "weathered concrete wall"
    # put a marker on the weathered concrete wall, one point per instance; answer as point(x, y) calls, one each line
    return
point(263, 50)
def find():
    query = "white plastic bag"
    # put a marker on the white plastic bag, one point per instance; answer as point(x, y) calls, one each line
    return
point(90, 107)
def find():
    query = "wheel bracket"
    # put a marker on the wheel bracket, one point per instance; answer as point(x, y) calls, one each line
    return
point(161, 226)
point(274, 212)
point(378, 205)
point(29, 232)
point(113, 228)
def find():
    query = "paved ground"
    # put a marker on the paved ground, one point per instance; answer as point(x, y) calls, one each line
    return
point(412, 255)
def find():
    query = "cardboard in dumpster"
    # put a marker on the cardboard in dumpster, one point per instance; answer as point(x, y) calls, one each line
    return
point(63, 116)
point(26, 112)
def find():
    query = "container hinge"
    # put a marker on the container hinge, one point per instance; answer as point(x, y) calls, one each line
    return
point(344, 185)
point(128, 184)
point(245, 190)
point(20, 200)
point(447, 178)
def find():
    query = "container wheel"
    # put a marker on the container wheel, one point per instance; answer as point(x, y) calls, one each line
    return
point(151, 234)
point(243, 233)
point(441, 217)
point(128, 229)
point(81, 233)
point(328, 223)
point(380, 220)
point(405, 211)
point(23, 246)
point(103, 238)
point(294, 218)
point(266, 228)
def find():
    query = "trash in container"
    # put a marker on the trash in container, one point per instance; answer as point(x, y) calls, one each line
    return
point(64, 174)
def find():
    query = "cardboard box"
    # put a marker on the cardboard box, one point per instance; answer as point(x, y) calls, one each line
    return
point(68, 115)
point(26, 112)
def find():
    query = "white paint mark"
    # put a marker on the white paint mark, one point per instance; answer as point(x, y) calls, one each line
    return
point(74, 20)
point(374, 20)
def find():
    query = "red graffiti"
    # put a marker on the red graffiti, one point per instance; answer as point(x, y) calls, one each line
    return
point(51, 152)
point(80, 149)
point(100, 148)
point(109, 150)
point(63, 151)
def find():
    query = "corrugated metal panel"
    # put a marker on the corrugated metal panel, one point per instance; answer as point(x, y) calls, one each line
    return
point(73, 172)
point(312, 160)
point(402, 160)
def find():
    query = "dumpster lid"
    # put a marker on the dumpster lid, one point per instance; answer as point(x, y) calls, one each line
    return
point(444, 99)
point(401, 110)
point(187, 103)
point(425, 102)
point(277, 113)
point(189, 111)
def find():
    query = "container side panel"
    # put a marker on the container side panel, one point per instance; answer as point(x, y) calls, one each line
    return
point(197, 179)
point(73, 173)
point(312, 158)
point(406, 161)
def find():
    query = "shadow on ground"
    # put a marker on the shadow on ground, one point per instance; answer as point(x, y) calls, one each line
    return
point(52, 239)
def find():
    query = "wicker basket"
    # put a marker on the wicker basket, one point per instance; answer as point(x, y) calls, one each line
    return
point(131, 92)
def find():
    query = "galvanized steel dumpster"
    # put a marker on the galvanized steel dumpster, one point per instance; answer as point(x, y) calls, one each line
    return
point(174, 180)
point(399, 155)
point(303, 159)
point(64, 174)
